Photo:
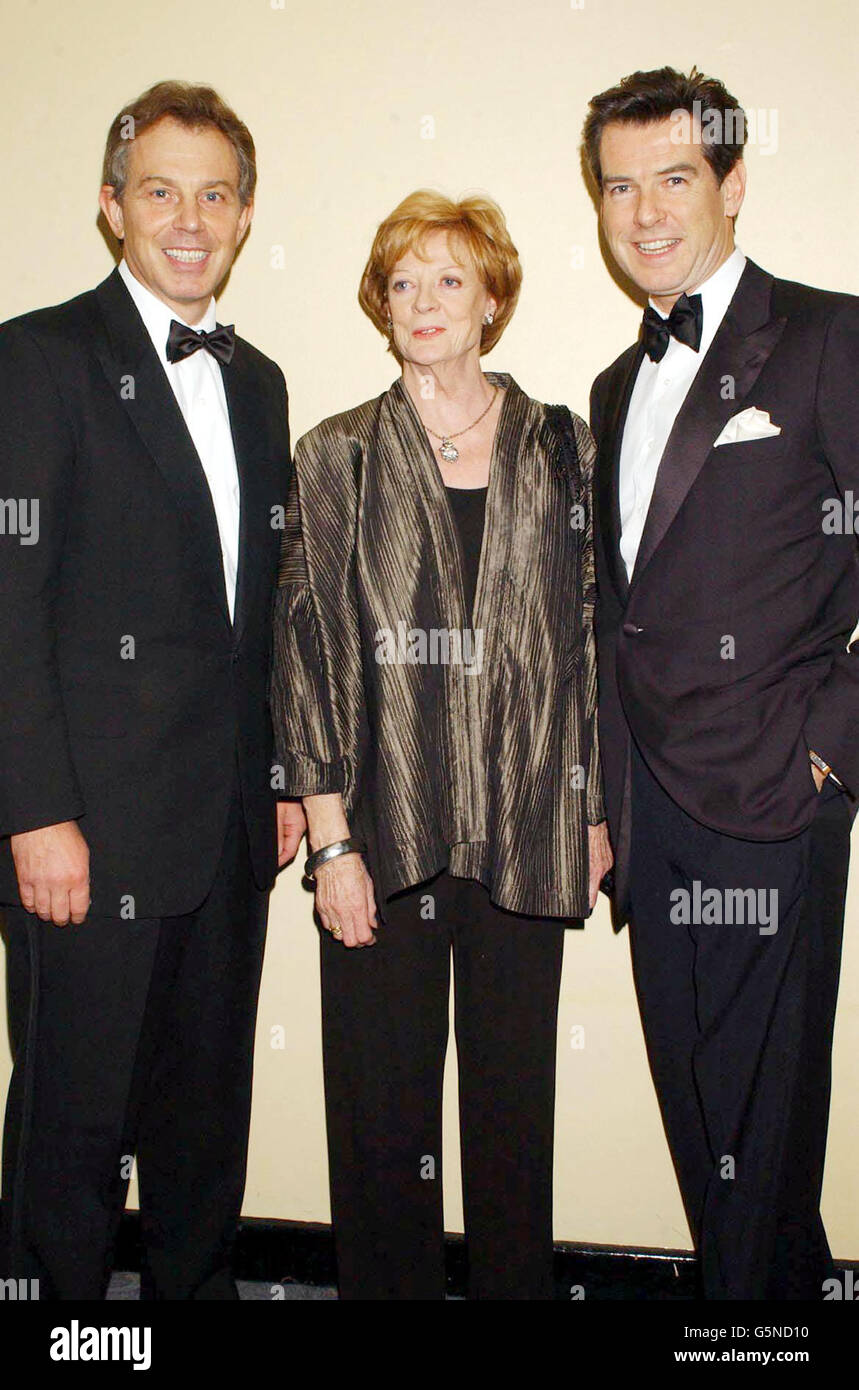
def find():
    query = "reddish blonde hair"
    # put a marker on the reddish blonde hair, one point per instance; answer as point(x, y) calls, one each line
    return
point(475, 225)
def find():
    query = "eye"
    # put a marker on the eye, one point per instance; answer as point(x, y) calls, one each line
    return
point(677, 178)
point(618, 188)
point(213, 196)
point(450, 280)
point(160, 193)
point(399, 284)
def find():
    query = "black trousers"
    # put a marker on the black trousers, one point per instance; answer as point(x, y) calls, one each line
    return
point(133, 1036)
point(738, 1019)
point(385, 1029)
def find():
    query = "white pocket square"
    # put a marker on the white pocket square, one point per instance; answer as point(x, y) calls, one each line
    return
point(748, 424)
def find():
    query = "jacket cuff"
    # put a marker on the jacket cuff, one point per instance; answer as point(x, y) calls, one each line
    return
point(595, 810)
point(304, 776)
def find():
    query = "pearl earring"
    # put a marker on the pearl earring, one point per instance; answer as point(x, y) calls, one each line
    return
point(488, 318)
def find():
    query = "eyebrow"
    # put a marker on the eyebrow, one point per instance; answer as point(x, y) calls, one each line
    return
point(443, 271)
point(207, 183)
point(672, 169)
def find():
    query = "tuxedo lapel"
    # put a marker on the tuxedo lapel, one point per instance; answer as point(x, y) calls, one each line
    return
point(745, 339)
point(608, 480)
point(131, 365)
point(249, 435)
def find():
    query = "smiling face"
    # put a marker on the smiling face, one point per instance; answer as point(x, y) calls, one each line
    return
point(437, 303)
point(666, 219)
point(179, 218)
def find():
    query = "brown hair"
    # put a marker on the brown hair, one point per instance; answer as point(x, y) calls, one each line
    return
point(644, 97)
point(475, 224)
point(193, 106)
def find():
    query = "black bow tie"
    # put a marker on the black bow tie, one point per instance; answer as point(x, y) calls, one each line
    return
point(221, 342)
point(685, 322)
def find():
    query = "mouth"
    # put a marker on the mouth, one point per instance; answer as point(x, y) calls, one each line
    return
point(183, 255)
point(427, 332)
point(657, 248)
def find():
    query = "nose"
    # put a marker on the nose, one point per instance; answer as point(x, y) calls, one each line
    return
point(647, 210)
point(426, 299)
point(187, 217)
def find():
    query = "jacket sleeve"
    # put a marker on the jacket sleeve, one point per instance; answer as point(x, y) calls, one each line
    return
point(38, 784)
point(833, 717)
point(586, 449)
point(316, 678)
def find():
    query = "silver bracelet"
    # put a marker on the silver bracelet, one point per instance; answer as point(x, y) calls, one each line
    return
point(322, 856)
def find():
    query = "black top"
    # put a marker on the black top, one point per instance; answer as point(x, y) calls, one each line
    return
point(468, 505)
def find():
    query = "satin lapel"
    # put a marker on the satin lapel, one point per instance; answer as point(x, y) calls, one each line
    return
point(741, 347)
point(608, 479)
point(131, 365)
point(249, 435)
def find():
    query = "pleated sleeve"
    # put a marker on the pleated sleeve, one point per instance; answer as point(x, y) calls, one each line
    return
point(316, 694)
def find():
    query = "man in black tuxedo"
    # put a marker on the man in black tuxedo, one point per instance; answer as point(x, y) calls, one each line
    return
point(151, 448)
point(728, 438)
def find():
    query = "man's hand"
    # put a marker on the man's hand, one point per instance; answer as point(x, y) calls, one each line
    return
point(291, 825)
point(600, 857)
point(52, 865)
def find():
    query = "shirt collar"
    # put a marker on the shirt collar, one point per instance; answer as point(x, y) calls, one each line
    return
point(157, 316)
point(716, 293)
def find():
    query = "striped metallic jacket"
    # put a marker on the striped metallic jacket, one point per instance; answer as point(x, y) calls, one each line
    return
point(472, 747)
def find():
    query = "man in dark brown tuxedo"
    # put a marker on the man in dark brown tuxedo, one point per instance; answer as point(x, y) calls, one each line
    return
point(140, 835)
point(728, 593)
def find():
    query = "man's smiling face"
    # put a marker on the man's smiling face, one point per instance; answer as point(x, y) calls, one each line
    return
point(179, 216)
point(668, 223)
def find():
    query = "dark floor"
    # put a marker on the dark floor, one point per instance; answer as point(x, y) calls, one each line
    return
point(127, 1286)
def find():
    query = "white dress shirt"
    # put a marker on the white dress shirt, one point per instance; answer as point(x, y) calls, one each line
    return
point(659, 391)
point(199, 390)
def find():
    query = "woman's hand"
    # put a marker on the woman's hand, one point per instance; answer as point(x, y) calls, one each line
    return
point(345, 900)
point(600, 859)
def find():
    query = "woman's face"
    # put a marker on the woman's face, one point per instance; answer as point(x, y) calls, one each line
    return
point(436, 303)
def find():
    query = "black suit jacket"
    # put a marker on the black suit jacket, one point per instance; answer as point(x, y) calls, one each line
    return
point(726, 655)
point(126, 694)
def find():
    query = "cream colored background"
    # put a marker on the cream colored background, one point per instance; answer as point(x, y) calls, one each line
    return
point(338, 97)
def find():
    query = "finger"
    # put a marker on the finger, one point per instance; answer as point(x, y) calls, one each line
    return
point(28, 896)
point(292, 843)
point(79, 901)
point(43, 903)
point(349, 935)
point(60, 907)
point(372, 917)
point(363, 929)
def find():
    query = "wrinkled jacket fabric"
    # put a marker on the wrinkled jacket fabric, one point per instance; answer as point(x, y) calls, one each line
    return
point(488, 767)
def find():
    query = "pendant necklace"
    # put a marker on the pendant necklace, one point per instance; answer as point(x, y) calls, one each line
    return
point(447, 448)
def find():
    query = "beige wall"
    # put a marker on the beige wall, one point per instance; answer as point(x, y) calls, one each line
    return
point(339, 97)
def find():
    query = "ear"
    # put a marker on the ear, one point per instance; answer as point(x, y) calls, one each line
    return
point(733, 189)
point(491, 305)
point(246, 217)
point(112, 210)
